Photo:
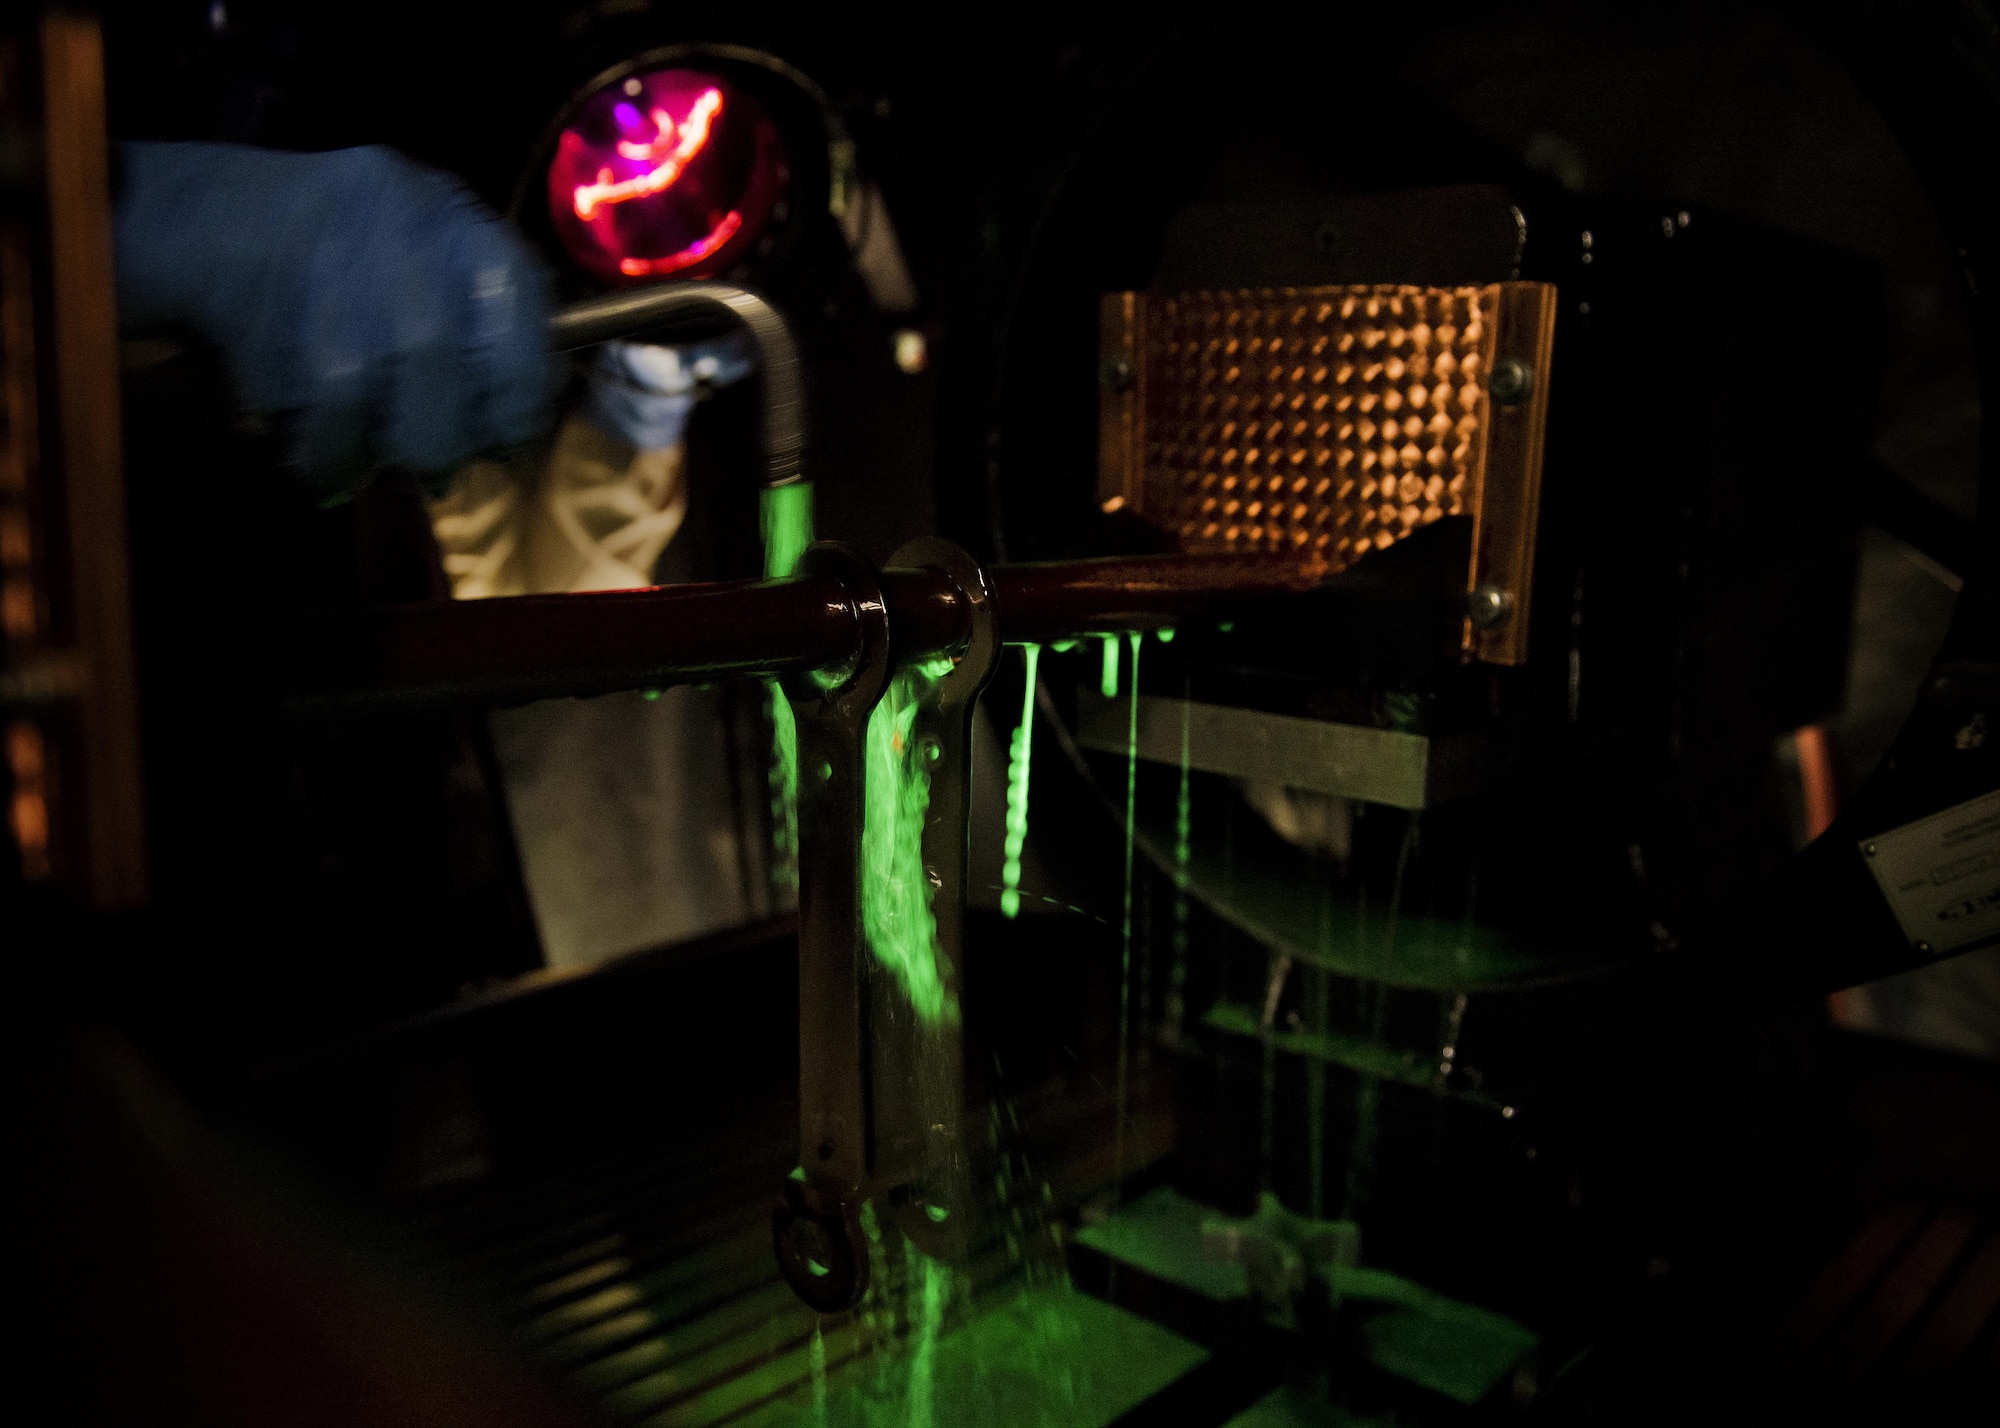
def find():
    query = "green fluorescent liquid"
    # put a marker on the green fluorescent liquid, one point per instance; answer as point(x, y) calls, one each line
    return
point(896, 910)
point(785, 515)
point(1107, 680)
point(1183, 847)
point(1125, 956)
point(1017, 788)
point(816, 1361)
point(932, 1282)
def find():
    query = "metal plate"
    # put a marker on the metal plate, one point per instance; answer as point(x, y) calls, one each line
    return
point(1941, 875)
point(1354, 761)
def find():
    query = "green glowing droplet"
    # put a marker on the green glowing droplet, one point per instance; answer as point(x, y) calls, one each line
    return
point(1225, 626)
point(816, 1269)
point(1017, 789)
point(825, 770)
point(650, 695)
point(1107, 682)
point(937, 1213)
point(896, 894)
point(1165, 634)
point(785, 514)
point(1064, 646)
point(784, 790)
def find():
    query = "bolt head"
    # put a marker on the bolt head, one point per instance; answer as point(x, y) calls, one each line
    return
point(1488, 606)
point(1511, 381)
point(1117, 373)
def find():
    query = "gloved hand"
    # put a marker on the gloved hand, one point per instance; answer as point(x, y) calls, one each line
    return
point(375, 309)
point(644, 393)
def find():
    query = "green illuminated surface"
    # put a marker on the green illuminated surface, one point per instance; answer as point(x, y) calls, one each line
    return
point(1160, 1233)
point(785, 514)
point(1108, 677)
point(1043, 1358)
point(896, 910)
point(1271, 893)
point(1296, 1408)
point(1357, 1053)
point(1449, 1347)
point(1018, 754)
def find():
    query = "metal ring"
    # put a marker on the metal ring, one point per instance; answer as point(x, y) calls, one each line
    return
point(974, 666)
point(851, 688)
point(820, 1250)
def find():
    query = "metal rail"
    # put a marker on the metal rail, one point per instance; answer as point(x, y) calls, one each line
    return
point(469, 654)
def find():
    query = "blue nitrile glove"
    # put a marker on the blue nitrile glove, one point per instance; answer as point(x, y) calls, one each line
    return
point(374, 309)
point(643, 392)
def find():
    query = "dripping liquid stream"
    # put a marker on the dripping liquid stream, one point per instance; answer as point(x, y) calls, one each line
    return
point(1125, 936)
point(1018, 755)
point(785, 516)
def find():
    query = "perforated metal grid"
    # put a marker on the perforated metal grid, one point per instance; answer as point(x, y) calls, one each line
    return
point(1324, 423)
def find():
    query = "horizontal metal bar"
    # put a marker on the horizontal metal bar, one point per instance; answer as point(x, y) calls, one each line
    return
point(1053, 601)
point(510, 651)
point(472, 653)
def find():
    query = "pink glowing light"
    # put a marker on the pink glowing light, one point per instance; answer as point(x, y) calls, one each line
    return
point(666, 172)
point(688, 256)
point(687, 139)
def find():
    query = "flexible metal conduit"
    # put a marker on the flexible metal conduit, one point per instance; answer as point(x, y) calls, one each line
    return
point(634, 314)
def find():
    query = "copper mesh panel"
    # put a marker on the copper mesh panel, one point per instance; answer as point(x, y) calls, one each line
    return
point(1320, 423)
point(1335, 421)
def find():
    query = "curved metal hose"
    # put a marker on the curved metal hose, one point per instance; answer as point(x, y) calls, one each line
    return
point(633, 314)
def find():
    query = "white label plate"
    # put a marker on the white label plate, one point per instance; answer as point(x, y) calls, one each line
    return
point(1942, 874)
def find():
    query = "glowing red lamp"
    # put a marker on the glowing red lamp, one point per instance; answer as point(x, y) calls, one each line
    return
point(673, 172)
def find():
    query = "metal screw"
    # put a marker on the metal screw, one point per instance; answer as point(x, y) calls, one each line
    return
point(1923, 947)
point(1116, 373)
point(1511, 381)
point(1488, 605)
point(1868, 850)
